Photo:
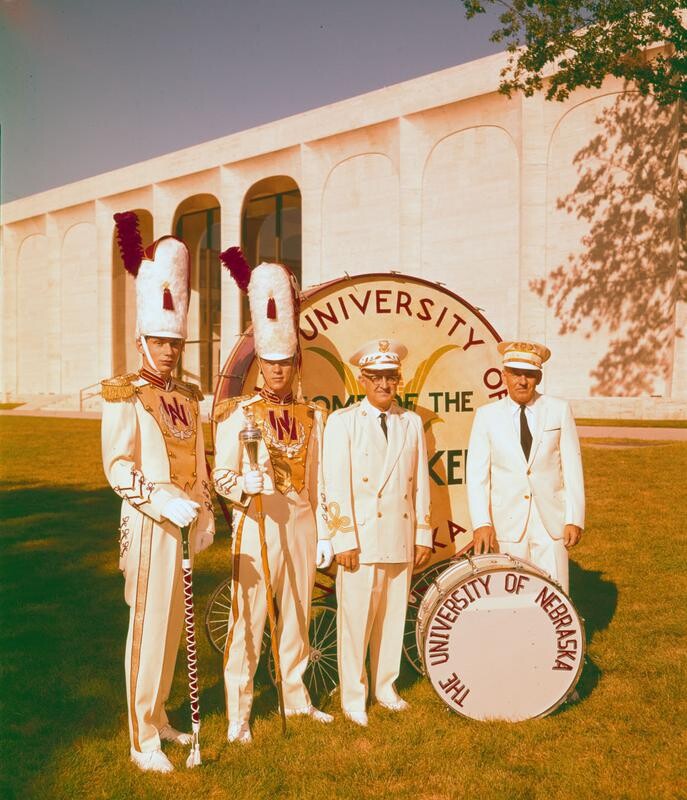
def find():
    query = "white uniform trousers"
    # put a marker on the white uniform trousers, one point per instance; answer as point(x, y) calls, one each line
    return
point(538, 547)
point(372, 603)
point(154, 591)
point(291, 548)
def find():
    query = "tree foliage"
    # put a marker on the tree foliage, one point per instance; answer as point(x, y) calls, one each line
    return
point(586, 41)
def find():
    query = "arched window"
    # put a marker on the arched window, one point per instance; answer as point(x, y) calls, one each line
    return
point(197, 223)
point(271, 226)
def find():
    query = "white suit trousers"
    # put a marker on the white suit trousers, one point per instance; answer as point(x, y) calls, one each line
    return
point(372, 603)
point(154, 592)
point(291, 544)
point(541, 549)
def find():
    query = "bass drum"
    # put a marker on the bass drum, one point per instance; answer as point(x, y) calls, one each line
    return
point(499, 639)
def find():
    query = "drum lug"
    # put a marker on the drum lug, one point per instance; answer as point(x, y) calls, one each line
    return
point(471, 563)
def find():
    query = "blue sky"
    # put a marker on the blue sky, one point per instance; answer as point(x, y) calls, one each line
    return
point(90, 85)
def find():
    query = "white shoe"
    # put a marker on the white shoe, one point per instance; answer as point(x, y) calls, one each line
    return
point(309, 711)
point(396, 705)
point(170, 734)
point(239, 732)
point(152, 761)
point(359, 717)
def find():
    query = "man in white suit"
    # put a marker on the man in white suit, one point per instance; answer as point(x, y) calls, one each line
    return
point(524, 469)
point(376, 507)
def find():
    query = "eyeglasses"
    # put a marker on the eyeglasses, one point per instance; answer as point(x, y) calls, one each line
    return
point(378, 379)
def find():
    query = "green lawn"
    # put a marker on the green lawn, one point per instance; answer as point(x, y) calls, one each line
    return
point(64, 624)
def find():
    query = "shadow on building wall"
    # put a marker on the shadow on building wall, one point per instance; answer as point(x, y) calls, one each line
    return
point(631, 271)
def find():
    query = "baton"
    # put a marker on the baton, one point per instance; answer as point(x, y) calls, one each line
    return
point(250, 437)
point(193, 759)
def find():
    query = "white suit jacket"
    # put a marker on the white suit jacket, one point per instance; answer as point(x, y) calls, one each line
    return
point(377, 492)
point(502, 485)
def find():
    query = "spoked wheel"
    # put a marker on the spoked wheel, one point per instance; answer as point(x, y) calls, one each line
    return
point(218, 614)
point(322, 674)
point(418, 587)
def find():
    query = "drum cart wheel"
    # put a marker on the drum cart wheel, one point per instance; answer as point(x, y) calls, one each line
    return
point(217, 615)
point(418, 587)
point(321, 675)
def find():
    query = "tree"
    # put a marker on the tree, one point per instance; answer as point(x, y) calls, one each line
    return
point(579, 43)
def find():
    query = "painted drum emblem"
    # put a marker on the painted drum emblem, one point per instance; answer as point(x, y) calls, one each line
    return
point(451, 369)
point(499, 639)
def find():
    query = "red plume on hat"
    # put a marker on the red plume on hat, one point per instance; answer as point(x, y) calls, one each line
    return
point(239, 269)
point(129, 241)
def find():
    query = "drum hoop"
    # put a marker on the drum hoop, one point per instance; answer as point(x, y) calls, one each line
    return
point(516, 565)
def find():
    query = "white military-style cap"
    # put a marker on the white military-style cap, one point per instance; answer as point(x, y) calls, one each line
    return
point(379, 354)
point(524, 355)
point(163, 279)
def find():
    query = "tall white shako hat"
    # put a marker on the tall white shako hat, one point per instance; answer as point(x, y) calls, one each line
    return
point(163, 279)
point(274, 299)
point(379, 354)
point(524, 355)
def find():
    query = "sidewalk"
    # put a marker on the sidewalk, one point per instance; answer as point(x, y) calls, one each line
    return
point(618, 432)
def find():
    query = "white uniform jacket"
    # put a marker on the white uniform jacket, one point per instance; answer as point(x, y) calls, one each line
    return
point(377, 492)
point(142, 429)
point(231, 461)
point(502, 485)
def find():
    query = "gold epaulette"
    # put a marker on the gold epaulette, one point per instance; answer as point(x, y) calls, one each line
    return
point(119, 388)
point(226, 406)
point(190, 388)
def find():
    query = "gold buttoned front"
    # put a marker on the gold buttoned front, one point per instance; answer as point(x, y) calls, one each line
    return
point(379, 513)
point(527, 497)
point(405, 516)
point(364, 478)
point(379, 495)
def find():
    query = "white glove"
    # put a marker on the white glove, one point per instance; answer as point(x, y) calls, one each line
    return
point(203, 541)
point(180, 511)
point(253, 482)
point(325, 554)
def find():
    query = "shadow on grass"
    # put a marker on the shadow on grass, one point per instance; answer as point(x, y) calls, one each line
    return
point(596, 600)
point(63, 626)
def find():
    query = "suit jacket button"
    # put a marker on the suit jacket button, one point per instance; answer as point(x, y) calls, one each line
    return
point(529, 471)
point(364, 478)
point(379, 513)
point(527, 497)
point(405, 516)
point(379, 495)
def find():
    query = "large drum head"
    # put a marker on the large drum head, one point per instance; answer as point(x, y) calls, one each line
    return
point(502, 641)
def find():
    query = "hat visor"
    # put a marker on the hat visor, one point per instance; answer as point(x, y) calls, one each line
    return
point(275, 356)
point(522, 365)
point(164, 334)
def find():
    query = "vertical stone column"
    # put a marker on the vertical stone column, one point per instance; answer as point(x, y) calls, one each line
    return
point(8, 303)
point(413, 146)
point(52, 325)
point(534, 139)
point(232, 189)
point(104, 227)
point(312, 188)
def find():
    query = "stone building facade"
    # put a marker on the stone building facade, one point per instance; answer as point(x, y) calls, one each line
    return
point(538, 213)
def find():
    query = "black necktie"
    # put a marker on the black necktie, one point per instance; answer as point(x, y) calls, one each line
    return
point(525, 434)
point(382, 421)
